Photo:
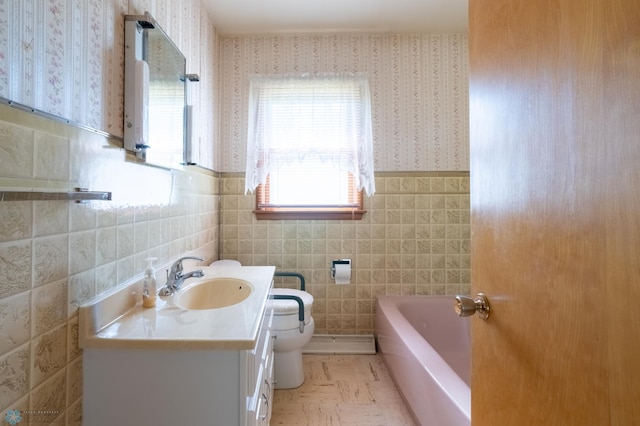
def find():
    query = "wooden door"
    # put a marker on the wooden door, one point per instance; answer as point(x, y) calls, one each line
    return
point(555, 190)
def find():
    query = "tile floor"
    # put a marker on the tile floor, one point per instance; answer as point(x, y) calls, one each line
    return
point(342, 390)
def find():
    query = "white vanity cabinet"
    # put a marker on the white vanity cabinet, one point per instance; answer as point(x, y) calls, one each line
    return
point(169, 365)
point(180, 386)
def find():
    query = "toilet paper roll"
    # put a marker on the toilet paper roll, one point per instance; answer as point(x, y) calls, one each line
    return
point(343, 273)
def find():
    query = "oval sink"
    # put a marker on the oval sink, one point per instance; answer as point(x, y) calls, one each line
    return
point(214, 293)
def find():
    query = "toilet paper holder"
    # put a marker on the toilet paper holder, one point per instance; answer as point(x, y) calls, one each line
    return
point(338, 262)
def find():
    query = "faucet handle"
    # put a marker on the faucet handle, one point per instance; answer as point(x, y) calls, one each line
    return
point(177, 265)
point(189, 257)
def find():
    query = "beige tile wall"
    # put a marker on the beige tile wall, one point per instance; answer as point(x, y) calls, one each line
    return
point(55, 255)
point(414, 239)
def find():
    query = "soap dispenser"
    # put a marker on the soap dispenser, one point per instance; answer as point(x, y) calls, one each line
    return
point(149, 291)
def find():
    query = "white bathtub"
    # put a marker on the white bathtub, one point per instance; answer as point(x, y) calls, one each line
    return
point(427, 349)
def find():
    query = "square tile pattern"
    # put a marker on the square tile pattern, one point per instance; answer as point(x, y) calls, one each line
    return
point(414, 239)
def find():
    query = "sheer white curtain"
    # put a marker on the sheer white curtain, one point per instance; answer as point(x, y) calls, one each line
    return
point(310, 118)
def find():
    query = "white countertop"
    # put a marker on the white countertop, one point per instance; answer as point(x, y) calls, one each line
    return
point(119, 321)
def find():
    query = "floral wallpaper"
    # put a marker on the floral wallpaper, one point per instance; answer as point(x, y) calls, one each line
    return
point(55, 55)
point(65, 57)
point(418, 86)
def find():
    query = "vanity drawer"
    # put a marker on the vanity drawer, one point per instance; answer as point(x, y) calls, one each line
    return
point(260, 375)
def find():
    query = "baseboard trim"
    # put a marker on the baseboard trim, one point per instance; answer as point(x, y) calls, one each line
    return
point(340, 344)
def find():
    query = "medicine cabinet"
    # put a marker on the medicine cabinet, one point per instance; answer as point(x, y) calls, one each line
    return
point(155, 111)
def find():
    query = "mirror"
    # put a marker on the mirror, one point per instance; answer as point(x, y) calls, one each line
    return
point(155, 93)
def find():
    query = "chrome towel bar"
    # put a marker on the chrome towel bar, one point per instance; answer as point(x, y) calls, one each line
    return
point(78, 195)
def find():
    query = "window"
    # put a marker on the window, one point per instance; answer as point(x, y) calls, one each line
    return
point(309, 146)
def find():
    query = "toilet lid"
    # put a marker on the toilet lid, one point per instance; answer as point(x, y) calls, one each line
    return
point(285, 306)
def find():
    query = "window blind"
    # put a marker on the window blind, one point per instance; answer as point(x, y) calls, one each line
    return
point(321, 119)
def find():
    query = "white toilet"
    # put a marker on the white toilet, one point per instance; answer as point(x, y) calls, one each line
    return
point(291, 336)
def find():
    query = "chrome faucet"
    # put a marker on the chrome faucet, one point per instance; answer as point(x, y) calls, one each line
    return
point(175, 277)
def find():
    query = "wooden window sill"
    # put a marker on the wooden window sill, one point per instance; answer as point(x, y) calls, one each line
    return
point(309, 215)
